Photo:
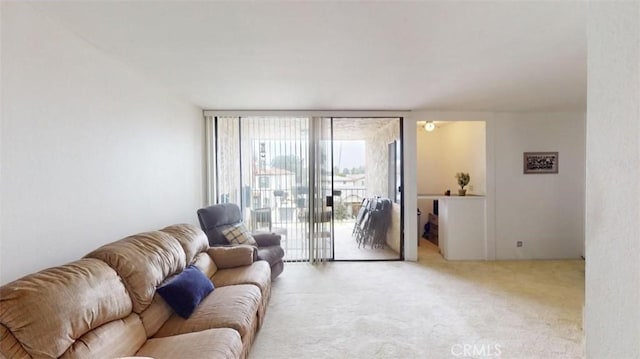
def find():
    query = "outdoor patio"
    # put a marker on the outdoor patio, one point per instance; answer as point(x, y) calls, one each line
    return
point(296, 243)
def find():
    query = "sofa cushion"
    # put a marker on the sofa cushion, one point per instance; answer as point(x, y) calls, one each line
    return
point(232, 307)
point(115, 339)
point(205, 263)
point(222, 343)
point(229, 257)
point(191, 238)
point(185, 291)
point(10, 346)
point(155, 315)
point(47, 311)
point(258, 274)
point(238, 234)
point(143, 261)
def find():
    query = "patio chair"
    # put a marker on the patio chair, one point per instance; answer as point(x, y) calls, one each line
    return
point(214, 219)
point(372, 222)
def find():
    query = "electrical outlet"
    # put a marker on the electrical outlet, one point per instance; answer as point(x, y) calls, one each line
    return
point(519, 244)
point(471, 188)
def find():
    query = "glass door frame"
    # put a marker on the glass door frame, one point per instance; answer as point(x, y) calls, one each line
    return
point(400, 188)
point(321, 165)
point(211, 173)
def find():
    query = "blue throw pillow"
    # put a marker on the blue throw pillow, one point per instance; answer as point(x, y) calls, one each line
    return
point(185, 291)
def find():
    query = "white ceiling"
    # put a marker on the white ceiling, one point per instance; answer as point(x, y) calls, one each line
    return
point(510, 56)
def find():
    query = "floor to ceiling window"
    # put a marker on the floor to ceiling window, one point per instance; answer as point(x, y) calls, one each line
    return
point(328, 186)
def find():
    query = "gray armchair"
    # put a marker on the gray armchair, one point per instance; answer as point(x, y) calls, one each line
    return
point(214, 218)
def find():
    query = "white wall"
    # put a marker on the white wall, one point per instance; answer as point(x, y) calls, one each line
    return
point(91, 152)
point(546, 212)
point(428, 171)
point(612, 313)
point(429, 161)
point(451, 148)
point(377, 158)
point(465, 149)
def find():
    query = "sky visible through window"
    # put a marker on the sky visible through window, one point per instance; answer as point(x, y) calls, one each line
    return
point(348, 154)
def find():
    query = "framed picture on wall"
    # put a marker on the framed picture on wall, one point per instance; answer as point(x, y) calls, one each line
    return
point(540, 162)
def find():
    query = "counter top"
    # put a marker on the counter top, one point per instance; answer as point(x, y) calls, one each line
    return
point(442, 196)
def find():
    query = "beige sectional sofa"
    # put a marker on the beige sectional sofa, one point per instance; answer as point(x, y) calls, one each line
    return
point(106, 305)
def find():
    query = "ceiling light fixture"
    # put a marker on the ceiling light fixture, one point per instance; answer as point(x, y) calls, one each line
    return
point(429, 126)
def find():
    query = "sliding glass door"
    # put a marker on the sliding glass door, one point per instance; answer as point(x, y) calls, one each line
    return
point(322, 183)
point(273, 168)
point(366, 185)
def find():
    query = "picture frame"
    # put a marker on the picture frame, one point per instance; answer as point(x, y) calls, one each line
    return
point(540, 162)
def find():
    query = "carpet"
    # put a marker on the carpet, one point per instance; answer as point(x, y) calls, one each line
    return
point(427, 309)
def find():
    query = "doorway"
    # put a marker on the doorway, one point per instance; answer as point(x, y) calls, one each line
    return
point(366, 166)
point(447, 217)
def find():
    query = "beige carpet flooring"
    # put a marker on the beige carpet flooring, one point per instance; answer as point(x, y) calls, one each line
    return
point(429, 309)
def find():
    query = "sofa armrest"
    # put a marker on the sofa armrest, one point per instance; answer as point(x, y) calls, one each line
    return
point(267, 239)
point(230, 257)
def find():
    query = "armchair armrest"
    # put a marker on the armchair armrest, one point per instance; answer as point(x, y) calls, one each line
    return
point(230, 257)
point(267, 239)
